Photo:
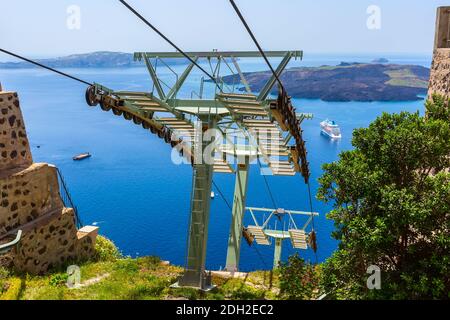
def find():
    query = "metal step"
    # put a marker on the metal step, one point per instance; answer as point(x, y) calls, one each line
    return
point(237, 96)
point(250, 112)
point(148, 103)
point(220, 166)
point(138, 98)
point(298, 239)
point(260, 237)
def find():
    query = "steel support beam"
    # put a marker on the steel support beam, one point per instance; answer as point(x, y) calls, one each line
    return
point(216, 54)
point(240, 196)
point(195, 274)
point(269, 85)
point(277, 253)
point(155, 79)
point(243, 79)
point(173, 92)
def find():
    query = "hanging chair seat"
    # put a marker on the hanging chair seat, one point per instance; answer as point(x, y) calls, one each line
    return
point(260, 237)
point(298, 239)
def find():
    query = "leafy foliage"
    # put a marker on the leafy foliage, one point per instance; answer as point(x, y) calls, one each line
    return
point(391, 198)
point(106, 250)
point(298, 280)
point(58, 279)
point(438, 108)
point(14, 288)
point(4, 274)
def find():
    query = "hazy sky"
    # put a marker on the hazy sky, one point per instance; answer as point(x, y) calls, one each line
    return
point(39, 28)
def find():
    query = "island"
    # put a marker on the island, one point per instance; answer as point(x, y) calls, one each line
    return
point(380, 60)
point(100, 59)
point(348, 82)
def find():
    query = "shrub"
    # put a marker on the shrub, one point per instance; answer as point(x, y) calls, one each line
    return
point(438, 108)
point(236, 289)
point(58, 279)
point(4, 273)
point(391, 204)
point(14, 289)
point(298, 280)
point(106, 250)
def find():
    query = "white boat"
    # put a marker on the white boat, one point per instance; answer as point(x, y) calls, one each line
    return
point(331, 129)
point(213, 195)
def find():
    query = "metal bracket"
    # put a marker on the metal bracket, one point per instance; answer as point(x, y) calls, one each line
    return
point(4, 248)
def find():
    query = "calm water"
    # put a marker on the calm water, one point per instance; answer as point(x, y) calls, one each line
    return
point(131, 189)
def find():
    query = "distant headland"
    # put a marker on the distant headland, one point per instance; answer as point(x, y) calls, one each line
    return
point(349, 82)
point(100, 59)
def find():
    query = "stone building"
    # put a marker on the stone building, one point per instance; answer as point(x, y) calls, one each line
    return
point(440, 69)
point(31, 201)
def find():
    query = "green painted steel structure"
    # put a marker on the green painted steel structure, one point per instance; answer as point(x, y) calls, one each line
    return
point(195, 274)
point(237, 216)
point(281, 234)
point(229, 110)
point(277, 253)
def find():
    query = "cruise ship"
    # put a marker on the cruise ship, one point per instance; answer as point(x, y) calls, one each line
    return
point(331, 129)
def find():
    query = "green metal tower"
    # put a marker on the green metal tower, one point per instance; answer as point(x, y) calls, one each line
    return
point(269, 130)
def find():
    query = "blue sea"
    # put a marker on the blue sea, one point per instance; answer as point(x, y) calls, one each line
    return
point(132, 190)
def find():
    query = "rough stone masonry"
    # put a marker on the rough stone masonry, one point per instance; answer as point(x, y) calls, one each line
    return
point(440, 69)
point(30, 201)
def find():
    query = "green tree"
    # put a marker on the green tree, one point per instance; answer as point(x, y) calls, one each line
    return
point(298, 280)
point(438, 108)
point(391, 208)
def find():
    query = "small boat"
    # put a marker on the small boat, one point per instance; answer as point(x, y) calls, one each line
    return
point(82, 156)
point(331, 129)
point(213, 195)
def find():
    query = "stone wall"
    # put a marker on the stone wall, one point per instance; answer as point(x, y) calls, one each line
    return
point(53, 244)
point(14, 149)
point(440, 73)
point(31, 201)
point(440, 69)
point(27, 195)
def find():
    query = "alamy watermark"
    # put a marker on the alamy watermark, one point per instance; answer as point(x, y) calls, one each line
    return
point(229, 146)
point(374, 19)
point(73, 21)
point(374, 280)
point(74, 277)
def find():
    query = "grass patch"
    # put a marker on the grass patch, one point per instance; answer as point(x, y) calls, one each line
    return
point(123, 279)
point(405, 78)
point(110, 276)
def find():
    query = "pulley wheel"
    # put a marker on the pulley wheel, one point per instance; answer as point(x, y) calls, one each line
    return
point(105, 106)
point(91, 98)
point(127, 115)
point(161, 133)
point(137, 120)
point(117, 112)
point(167, 136)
